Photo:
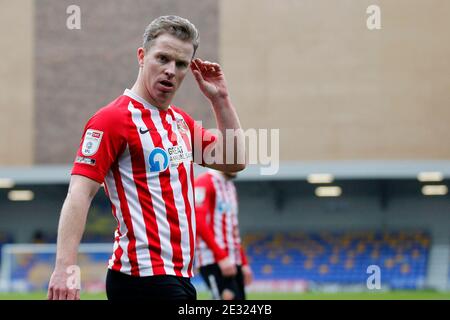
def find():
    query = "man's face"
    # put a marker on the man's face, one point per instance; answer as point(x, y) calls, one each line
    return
point(164, 67)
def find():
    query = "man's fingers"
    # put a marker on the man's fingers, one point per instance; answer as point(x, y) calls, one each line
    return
point(205, 67)
point(248, 279)
point(71, 294)
point(197, 75)
point(50, 294)
point(194, 65)
point(56, 293)
point(227, 294)
point(62, 294)
point(198, 70)
point(212, 67)
point(199, 65)
point(209, 66)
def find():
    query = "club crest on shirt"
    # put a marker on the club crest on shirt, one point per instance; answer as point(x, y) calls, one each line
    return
point(91, 142)
point(182, 126)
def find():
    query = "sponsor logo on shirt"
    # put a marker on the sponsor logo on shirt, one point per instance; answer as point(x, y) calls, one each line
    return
point(158, 160)
point(91, 142)
point(223, 207)
point(178, 155)
point(85, 160)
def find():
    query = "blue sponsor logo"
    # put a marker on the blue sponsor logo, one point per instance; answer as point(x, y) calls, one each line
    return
point(223, 206)
point(158, 160)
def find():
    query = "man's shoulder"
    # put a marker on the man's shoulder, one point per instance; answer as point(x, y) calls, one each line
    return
point(115, 109)
point(112, 117)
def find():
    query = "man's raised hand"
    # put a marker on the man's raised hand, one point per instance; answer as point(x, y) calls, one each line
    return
point(210, 79)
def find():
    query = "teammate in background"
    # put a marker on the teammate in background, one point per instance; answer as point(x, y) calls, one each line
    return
point(220, 254)
point(141, 147)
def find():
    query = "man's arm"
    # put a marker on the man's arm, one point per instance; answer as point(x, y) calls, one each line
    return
point(206, 234)
point(211, 82)
point(70, 230)
point(246, 270)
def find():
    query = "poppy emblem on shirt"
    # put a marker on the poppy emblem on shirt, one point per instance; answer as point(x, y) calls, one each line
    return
point(158, 160)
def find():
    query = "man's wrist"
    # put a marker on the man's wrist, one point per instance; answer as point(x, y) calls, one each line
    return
point(63, 264)
point(221, 101)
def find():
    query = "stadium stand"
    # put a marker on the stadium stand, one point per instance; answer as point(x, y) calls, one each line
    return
point(341, 257)
point(28, 267)
point(318, 258)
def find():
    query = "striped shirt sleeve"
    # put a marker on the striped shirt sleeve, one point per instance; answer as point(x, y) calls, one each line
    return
point(103, 140)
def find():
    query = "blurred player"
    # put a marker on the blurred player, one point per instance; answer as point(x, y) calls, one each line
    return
point(220, 254)
point(141, 147)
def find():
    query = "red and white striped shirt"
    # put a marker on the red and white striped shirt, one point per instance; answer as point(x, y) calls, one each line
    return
point(217, 220)
point(144, 157)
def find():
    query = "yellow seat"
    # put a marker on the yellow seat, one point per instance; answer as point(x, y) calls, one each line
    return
point(323, 269)
point(267, 269)
point(308, 265)
point(405, 268)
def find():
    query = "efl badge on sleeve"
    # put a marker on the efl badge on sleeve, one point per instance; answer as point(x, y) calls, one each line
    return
point(91, 142)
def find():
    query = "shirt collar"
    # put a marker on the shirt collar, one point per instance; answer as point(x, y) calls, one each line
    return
point(139, 99)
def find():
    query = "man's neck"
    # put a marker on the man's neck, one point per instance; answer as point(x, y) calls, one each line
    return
point(142, 92)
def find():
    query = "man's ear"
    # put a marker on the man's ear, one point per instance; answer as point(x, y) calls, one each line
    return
point(140, 56)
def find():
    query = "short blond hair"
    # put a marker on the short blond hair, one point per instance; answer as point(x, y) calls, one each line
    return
point(179, 27)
